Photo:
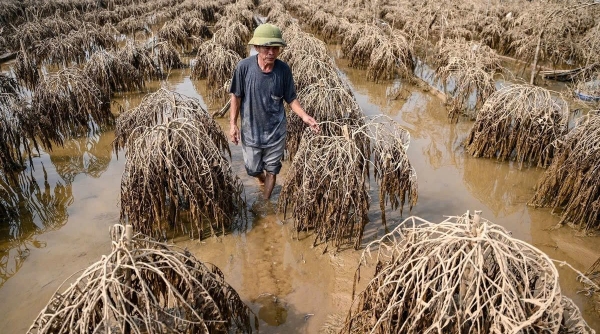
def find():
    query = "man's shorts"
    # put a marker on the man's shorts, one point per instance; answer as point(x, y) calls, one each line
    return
point(258, 159)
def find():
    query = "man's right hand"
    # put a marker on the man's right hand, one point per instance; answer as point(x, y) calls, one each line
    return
point(234, 134)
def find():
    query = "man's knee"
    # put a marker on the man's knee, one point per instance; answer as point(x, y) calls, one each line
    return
point(252, 160)
point(254, 171)
point(272, 158)
point(273, 168)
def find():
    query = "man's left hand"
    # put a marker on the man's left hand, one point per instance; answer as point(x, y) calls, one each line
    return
point(311, 123)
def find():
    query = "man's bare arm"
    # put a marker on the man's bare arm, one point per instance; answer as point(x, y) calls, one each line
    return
point(297, 108)
point(234, 111)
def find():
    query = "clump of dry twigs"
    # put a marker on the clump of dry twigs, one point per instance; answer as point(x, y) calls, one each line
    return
point(140, 57)
point(359, 53)
point(359, 42)
point(300, 41)
point(26, 70)
point(133, 26)
point(166, 56)
point(463, 275)
point(588, 47)
point(144, 286)
point(161, 107)
point(396, 177)
point(13, 134)
point(393, 56)
point(69, 104)
point(383, 53)
point(242, 11)
point(319, 19)
point(494, 30)
point(215, 63)
point(591, 283)
point(3, 41)
point(325, 189)
point(324, 103)
point(234, 36)
point(236, 26)
point(8, 88)
point(174, 170)
point(517, 123)
point(175, 162)
point(281, 18)
point(545, 31)
point(334, 29)
point(266, 9)
point(112, 73)
point(471, 67)
point(39, 29)
point(570, 184)
point(72, 47)
point(181, 32)
point(308, 69)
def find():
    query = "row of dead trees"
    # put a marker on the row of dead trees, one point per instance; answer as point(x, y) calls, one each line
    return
point(516, 122)
point(176, 171)
point(72, 58)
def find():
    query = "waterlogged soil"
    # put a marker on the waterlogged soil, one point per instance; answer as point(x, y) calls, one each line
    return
point(292, 286)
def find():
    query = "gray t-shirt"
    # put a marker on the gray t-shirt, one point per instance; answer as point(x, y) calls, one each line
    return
point(262, 94)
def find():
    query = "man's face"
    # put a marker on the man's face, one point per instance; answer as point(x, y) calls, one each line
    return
point(268, 54)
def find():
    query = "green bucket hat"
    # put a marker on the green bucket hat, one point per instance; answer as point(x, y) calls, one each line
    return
point(267, 35)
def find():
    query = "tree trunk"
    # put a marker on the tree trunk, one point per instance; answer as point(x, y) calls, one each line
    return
point(536, 57)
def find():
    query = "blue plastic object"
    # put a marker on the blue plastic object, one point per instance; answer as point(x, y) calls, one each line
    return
point(589, 87)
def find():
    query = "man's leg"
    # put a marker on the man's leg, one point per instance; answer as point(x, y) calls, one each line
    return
point(261, 178)
point(253, 162)
point(269, 185)
point(272, 165)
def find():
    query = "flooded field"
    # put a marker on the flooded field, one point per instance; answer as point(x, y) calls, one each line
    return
point(72, 198)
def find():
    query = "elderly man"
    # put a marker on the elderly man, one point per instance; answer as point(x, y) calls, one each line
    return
point(260, 85)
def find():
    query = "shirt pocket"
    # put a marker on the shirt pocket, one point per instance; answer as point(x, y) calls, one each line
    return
point(276, 89)
point(276, 95)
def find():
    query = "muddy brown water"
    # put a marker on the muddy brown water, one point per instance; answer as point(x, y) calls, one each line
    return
point(290, 285)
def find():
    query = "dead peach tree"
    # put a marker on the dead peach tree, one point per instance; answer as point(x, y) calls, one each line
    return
point(325, 189)
point(384, 54)
point(570, 184)
point(517, 123)
point(176, 169)
point(468, 68)
point(68, 104)
point(324, 103)
point(215, 63)
point(144, 286)
point(462, 275)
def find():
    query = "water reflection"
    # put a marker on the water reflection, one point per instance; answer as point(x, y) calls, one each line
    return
point(12, 257)
point(272, 310)
point(90, 156)
point(36, 200)
point(31, 204)
point(499, 185)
